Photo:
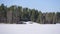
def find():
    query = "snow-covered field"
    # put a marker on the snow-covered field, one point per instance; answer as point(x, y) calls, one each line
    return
point(29, 28)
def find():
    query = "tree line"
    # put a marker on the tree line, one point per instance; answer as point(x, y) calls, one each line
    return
point(14, 14)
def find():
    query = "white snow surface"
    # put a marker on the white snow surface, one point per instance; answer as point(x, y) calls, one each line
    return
point(30, 28)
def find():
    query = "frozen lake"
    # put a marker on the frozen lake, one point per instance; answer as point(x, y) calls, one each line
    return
point(29, 29)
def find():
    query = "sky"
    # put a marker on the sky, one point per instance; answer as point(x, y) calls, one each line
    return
point(41, 5)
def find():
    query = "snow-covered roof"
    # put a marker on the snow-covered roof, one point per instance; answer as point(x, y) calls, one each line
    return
point(30, 22)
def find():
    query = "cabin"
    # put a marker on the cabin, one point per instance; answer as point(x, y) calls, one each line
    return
point(25, 22)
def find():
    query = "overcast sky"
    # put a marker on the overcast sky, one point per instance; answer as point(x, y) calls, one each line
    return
point(42, 5)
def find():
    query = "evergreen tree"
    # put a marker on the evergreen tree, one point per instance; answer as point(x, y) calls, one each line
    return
point(39, 19)
point(3, 13)
point(33, 15)
point(58, 17)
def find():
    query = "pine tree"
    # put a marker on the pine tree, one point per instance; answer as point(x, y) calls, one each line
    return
point(39, 19)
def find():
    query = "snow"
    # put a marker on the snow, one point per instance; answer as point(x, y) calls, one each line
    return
point(30, 28)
